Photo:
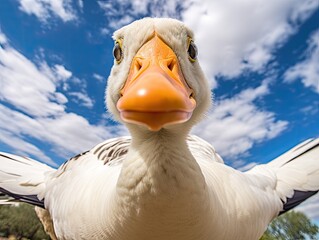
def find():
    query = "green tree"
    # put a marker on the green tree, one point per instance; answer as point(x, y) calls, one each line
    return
point(290, 226)
point(20, 221)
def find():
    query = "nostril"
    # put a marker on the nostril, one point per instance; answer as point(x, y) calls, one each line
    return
point(138, 64)
point(171, 64)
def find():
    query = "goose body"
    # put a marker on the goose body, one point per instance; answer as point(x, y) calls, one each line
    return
point(160, 183)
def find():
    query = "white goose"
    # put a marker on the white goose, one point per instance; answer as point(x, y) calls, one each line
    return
point(161, 183)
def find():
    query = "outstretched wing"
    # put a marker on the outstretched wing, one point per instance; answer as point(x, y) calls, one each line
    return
point(23, 178)
point(296, 173)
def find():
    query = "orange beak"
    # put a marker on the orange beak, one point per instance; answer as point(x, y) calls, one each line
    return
point(155, 93)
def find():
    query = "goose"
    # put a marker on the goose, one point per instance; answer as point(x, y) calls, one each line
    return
point(159, 182)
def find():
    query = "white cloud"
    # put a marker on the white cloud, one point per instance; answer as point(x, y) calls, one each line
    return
point(22, 147)
point(3, 39)
point(98, 77)
point(105, 31)
point(234, 36)
point(247, 166)
point(26, 87)
point(34, 7)
point(57, 74)
point(45, 9)
point(82, 98)
point(304, 11)
point(125, 19)
point(242, 165)
point(67, 133)
point(81, 4)
point(235, 124)
point(38, 109)
point(120, 13)
point(311, 109)
point(307, 70)
point(62, 73)
point(77, 89)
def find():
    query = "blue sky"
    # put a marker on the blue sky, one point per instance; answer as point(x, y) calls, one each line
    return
point(261, 57)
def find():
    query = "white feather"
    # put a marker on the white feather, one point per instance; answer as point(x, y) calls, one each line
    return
point(22, 175)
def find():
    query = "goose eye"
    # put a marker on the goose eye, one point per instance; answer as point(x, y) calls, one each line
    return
point(192, 51)
point(117, 52)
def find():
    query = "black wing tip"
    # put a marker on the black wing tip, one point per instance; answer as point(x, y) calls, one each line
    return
point(296, 199)
point(31, 199)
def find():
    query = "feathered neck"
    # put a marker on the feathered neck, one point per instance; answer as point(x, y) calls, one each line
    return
point(160, 165)
point(160, 182)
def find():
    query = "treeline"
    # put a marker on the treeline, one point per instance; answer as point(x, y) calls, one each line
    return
point(20, 222)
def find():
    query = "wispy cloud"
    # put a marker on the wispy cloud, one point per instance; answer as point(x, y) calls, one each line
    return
point(307, 70)
point(81, 4)
point(26, 87)
point(45, 9)
point(98, 77)
point(21, 146)
point(3, 39)
point(37, 108)
point(311, 110)
point(236, 124)
point(120, 13)
point(82, 98)
point(247, 166)
point(67, 133)
point(62, 73)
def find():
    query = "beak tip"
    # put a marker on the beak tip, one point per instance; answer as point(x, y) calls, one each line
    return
point(155, 121)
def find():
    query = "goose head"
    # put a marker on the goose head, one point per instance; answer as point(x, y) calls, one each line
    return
point(156, 83)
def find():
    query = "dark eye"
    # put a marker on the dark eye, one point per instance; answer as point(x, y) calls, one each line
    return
point(192, 51)
point(117, 52)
